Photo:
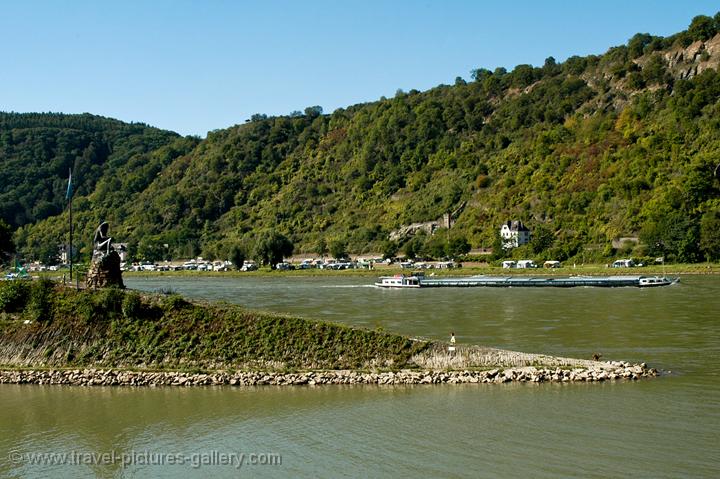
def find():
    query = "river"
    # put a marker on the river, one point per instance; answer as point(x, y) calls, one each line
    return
point(655, 428)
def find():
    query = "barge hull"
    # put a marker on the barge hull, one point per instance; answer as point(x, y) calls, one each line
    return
point(568, 282)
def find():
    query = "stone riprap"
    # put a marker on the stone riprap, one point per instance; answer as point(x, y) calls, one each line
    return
point(114, 377)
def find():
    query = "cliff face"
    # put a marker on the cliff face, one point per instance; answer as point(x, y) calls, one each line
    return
point(685, 63)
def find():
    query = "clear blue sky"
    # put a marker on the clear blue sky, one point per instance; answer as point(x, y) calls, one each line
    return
point(194, 66)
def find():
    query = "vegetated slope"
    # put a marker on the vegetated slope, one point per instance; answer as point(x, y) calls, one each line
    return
point(584, 152)
point(114, 328)
point(38, 150)
point(111, 161)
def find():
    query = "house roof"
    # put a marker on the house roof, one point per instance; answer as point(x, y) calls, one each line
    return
point(516, 225)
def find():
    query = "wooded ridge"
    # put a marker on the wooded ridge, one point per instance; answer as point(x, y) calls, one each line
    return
point(620, 145)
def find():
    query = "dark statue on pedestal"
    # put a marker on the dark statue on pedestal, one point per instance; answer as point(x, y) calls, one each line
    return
point(105, 268)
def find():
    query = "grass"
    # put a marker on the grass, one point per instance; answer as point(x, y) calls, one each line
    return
point(116, 328)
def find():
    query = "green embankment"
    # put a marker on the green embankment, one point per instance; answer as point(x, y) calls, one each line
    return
point(126, 329)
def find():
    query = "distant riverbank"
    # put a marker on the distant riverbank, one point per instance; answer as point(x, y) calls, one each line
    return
point(468, 268)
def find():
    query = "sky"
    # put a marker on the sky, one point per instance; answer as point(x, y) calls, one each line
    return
point(197, 66)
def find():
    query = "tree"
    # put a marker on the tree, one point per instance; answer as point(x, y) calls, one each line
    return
point(702, 27)
point(458, 246)
point(710, 236)
point(542, 239)
point(637, 44)
point(271, 247)
point(389, 249)
point(675, 235)
point(237, 256)
point(435, 246)
point(321, 247)
point(313, 111)
point(7, 247)
point(413, 246)
point(338, 248)
point(654, 70)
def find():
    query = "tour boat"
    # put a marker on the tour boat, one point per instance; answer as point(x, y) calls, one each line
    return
point(398, 281)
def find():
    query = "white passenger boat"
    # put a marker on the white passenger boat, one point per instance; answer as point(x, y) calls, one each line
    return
point(650, 281)
point(398, 281)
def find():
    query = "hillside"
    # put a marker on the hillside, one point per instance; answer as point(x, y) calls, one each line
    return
point(584, 152)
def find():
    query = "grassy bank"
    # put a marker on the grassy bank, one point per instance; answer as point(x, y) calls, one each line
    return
point(43, 324)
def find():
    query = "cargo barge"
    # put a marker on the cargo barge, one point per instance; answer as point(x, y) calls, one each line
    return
point(419, 280)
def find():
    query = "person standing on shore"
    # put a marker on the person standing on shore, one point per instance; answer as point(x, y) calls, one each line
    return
point(451, 348)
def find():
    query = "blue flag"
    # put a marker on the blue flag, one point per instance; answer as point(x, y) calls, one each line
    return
point(69, 192)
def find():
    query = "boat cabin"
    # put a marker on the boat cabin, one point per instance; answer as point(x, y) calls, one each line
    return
point(399, 281)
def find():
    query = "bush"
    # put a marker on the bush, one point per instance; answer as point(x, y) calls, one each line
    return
point(13, 295)
point(174, 302)
point(40, 306)
point(110, 300)
point(131, 305)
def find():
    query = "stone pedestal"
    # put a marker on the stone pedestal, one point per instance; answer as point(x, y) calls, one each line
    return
point(105, 272)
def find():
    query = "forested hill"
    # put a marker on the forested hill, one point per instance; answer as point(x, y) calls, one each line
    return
point(38, 150)
point(584, 152)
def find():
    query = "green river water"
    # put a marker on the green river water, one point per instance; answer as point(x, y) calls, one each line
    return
point(655, 428)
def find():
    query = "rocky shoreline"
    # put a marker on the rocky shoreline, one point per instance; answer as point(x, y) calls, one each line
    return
point(115, 377)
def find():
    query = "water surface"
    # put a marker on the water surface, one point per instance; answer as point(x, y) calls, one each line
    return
point(664, 427)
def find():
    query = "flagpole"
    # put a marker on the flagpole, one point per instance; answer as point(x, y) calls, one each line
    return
point(71, 245)
point(69, 196)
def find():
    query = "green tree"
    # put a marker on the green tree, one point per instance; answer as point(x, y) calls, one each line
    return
point(637, 44)
point(338, 248)
point(654, 71)
point(321, 247)
point(237, 256)
point(271, 247)
point(389, 249)
point(458, 246)
point(413, 246)
point(436, 245)
point(542, 239)
point(710, 235)
point(7, 247)
point(675, 235)
point(702, 27)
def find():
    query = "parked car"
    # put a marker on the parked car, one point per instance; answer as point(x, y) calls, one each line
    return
point(249, 266)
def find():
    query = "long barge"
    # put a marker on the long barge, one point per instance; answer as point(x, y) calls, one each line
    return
point(421, 281)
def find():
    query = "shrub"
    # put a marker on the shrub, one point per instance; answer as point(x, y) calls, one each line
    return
point(13, 295)
point(174, 302)
point(40, 306)
point(131, 305)
point(110, 300)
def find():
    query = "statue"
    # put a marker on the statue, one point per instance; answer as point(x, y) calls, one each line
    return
point(105, 267)
point(101, 240)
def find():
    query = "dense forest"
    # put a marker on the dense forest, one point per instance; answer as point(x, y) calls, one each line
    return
point(585, 152)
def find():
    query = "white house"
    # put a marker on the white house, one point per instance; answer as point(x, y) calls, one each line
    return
point(514, 234)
